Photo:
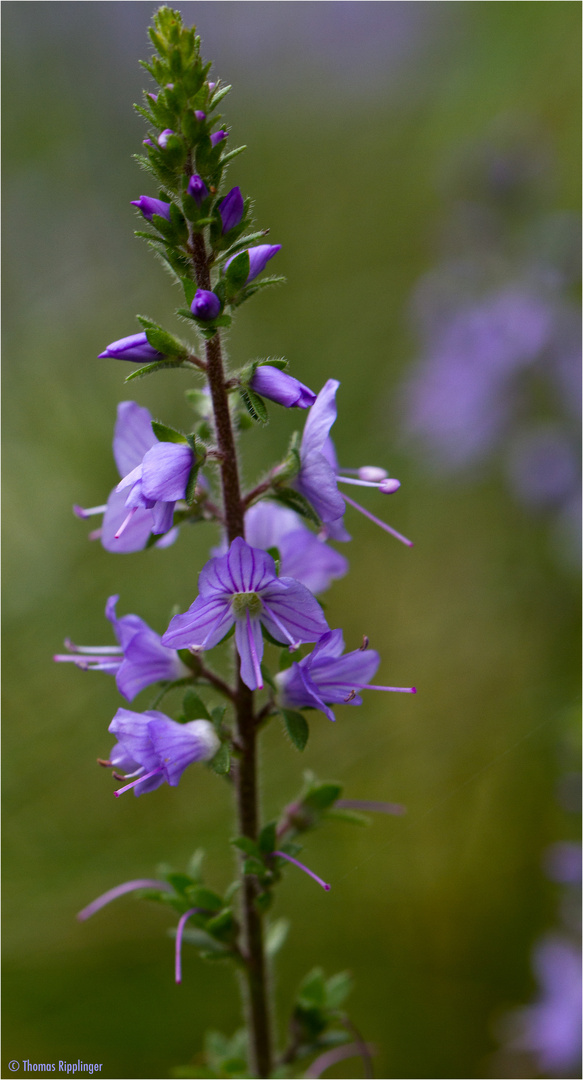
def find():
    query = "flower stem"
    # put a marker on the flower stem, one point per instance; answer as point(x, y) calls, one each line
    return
point(246, 786)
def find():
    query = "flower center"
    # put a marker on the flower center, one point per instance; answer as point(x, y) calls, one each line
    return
point(246, 601)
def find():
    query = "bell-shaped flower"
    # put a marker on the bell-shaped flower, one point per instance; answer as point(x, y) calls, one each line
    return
point(242, 589)
point(149, 207)
point(206, 304)
point(258, 258)
point(135, 347)
point(231, 209)
point(304, 556)
point(157, 750)
point(197, 188)
point(326, 677)
point(138, 660)
point(282, 388)
point(130, 519)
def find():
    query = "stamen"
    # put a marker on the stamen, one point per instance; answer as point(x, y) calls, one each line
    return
point(389, 486)
point(104, 763)
point(365, 643)
point(95, 534)
point(368, 472)
point(394, 689)
point(359, 483)
point(254, 657)
point(112, 894)
point(179, 931)
point(98, 650)
point(377, 521)
point(82, 512)
point(371, 806)
point(293, 644)
point(147, 776)
point(339, 1053)
point(306, 869)
point(125, 523)
point(350, 697)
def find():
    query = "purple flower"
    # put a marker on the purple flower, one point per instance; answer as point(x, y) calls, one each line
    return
point(231, 209)
point(149, 207)
point(281, 388)
point(200, 115)
point(135, 348)
point(258, 258)
point(156, 749)
point(218, 137)
point(304, 556)
point(241, 588)
point(164, 136)
point(206, 304)
point(157, 483)
point(137, 661)
point(197, 188)
point(326, 677)
point(123, 532)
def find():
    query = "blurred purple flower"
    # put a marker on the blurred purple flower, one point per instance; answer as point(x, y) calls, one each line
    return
point(304, 556)
point(276, 385)
point(149, 207)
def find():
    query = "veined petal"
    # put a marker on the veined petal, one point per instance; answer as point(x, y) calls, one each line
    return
point(297, 691)
point(179, 745)
point(354, 670)
point(165, 471)
point(135, 535)
point(330, 645)
point(249, 641)
point(204, 624)
point(131, 731)
point(250, 569)
point(162, 517)
point(147, 661)
point(316, 480)
point(320, 418)
point(310, 561)
point(295, 609)
point(132, 435)
point(267, 523)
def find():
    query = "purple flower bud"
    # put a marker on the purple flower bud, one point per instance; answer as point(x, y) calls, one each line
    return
point(197, 188)
point(231, 209)
point(206, 304)
point(149, 207)
point(147, 142)
point(153, 97)
point(211, 86)
point(169, 86)
point(200, 115)
point(218, 137)
point(164, 136)
point(135, 348)
point(281, 388)
point(258, 258)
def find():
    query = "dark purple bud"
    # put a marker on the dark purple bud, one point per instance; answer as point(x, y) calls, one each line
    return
point(231, 209)
point(258, 258)
point(197, 188)
point(200, 115)
point(218, 137)
point(206, 305)
point(149, 207)
point(164, 136)
point(135, 348)
point(147, 142)
point(281, 388)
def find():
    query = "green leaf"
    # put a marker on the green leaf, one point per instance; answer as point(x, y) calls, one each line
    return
point(313, 990)
point(280, 363)
point(199, 402)
point(267, 677)
point(221, 763)
point(204, 898)
point(295, 501)
point(244, 843)
point(179, 882)
point(286, 659)
point(237, 272)
point(194, 936)
point(352, 817)
point(232, 154)
point(254, 866)
point(217, 716)
point(189, 287)
point(194, 708)
point(223, 926)
point(338, 987)
point(165, 342)
point(194, 867)
point(149, 369)
point(190, 492)
point(167, 434)
point(268, 838)
point(296, 727)
point(218, 96)
point(264, 901)
point(321, 797)
point(254, 404)
point(276, 936)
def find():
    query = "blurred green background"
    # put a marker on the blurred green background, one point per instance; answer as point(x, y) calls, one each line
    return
point(350, 112)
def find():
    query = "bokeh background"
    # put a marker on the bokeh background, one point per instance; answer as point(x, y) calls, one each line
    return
point(389, 144)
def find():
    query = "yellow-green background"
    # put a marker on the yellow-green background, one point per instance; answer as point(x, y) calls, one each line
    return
point(436, 912)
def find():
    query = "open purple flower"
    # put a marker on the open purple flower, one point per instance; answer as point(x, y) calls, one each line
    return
point(156, 750)
point(206, 304)
point(231, 209)
point(197, 188)
point(276, 385)
point(135, 347)
point(258, 258)
point(156, 484)
point(138, 660)
point(242, 589)
point(326, 677)
point(304, 556)
point(149, 207)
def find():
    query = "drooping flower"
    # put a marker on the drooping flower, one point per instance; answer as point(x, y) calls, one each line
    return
point(282, 388)
point(218, 136)
point(326, 677)
point(242, 589)
point(155, 749)
point(231, 209)
point(137, 661)
point(149, 207)
point(197, 188)
point(304, 556)
point(258, 258)
point(319, 473)
point(135, 347)
point(206, 304)
point(129, 520)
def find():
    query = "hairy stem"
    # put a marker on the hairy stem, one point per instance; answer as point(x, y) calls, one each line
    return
point(246, 767)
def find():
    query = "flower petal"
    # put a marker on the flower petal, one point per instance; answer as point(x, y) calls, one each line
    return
point(132, 436)
point(295, 609)
point(249, 638)
point(316, 481)
point(165, 471)
point(136, 534)
point(310, 561)
point(131, 731)
point(204, 624)
point(179, 745)
point(250, 569)
point(320, 418)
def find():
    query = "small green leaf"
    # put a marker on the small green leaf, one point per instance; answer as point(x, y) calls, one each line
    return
point(254, 404)
point(276, 936)
point(179, 882)
point(194, 867)
point(264, 901)
point(194, 708)
point(338, 987)
point(223, 926)
point(296, 727)
point(321, 797)
point(218, 96)
point(267, 676)
point(286, 659)
point(254, 866)
point(167, 434)
point(165, 342)
point(244, 843)
point(237, 272)
point(268, 838)
point(292, 499)
point(204, 898)
point(232, 154)
point(190, 491)
point(313, 990)
point(221, 763)
point(217, 716)
point(149, 369)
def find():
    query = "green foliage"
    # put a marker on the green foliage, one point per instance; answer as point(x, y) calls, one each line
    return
point(254, 404)
point(193, 707)
point(164, 433)
point(221, 763)
point(297, 728)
